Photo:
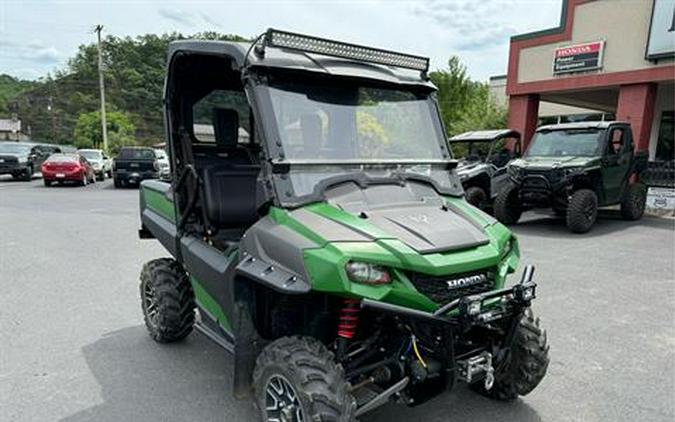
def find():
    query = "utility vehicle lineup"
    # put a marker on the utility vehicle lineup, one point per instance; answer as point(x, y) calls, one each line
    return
point(575, 168)
point(323, 237)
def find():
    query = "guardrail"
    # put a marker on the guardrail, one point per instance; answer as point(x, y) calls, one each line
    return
point(659, 174)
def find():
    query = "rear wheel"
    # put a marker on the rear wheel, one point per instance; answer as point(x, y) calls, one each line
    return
point(582, 211)
point(507, 205)
point(117, 183)
point(633, 201)
point(524, 366)
point(297, 379)
point(476, 196)
point(101, 176)
point(167, 300)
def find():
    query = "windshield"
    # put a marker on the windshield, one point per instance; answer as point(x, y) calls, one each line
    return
point(471, 151)
point(91, 155)
point(62, 158)
point(137, 154)
point(329, 122)
point(12, 148)
point(560, 143)
point(332, 130)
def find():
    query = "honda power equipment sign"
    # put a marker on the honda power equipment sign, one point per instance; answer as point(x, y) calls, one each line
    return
point(578, 58)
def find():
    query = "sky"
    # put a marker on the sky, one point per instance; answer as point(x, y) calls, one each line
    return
point(38, 37)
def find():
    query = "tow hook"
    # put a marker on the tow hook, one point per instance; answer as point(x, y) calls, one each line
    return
point(476, 366)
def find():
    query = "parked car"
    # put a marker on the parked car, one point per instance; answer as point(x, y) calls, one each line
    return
point(22, 159)
point(107, 165)
point(164, 166)
point(62, 168)
point(574, 169)
point(97, 159)
point(483, 156)
point(135, 164)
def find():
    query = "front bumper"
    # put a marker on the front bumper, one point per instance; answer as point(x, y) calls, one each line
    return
point(478, 309)
point(9, 168)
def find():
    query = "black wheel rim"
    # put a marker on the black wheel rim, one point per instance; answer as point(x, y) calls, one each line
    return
point(589, 212)
point(281, 401)
point(150, 303)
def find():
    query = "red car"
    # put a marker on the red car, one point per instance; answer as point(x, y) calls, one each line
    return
point(67, 168)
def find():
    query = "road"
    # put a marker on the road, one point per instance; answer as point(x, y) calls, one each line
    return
point(73, 346)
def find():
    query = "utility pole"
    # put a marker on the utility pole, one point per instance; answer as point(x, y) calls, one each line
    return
point(101, 85)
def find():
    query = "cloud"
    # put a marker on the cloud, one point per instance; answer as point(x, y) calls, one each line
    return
point(176, 16)
point(469, 25)
point(207, 19)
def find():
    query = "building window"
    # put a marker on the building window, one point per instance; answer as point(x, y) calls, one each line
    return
point(665, 146)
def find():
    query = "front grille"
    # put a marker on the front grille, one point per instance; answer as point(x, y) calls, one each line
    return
point(8, 159)
point(437, 288)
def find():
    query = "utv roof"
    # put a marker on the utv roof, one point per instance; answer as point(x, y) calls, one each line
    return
point(485, 135)
point(313, 55)
point(581, 125)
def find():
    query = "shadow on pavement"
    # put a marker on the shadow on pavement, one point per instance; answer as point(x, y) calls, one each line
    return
point(141, 380)
point(608, 222)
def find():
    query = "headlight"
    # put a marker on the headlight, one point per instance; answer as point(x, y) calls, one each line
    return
point(508, 247)
point(23, 160)
point(361, 272)
point(573, 171)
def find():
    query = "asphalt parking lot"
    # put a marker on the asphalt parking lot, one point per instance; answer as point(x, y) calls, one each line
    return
point(73, 346)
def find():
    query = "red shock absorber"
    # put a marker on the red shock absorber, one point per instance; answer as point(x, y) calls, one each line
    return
point(349, 318)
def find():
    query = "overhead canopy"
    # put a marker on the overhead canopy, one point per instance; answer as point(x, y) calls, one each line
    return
point(485, 135)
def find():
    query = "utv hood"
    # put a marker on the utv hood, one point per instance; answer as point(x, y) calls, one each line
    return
point(414, 214)
point(554, 162)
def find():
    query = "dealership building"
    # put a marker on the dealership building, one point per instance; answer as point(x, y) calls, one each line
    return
point(608, 59)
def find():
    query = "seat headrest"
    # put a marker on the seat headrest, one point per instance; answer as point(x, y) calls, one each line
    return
point(226, 127)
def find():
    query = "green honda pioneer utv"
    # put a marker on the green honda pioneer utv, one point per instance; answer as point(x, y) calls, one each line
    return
point(319, 233)
point(575, 168)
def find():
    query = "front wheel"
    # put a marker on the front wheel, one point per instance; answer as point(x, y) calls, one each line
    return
point(524, 366)
point(25, 175)
point(582, 211)
point(634, 201)
point(476, 196)
point(297, 379)
point(167, 300)
point(507, 207)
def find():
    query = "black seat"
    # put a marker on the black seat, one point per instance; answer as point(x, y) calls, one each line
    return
point(231, 195)
point(229, 177)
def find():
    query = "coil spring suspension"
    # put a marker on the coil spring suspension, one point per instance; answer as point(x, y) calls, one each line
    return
point(349, 318)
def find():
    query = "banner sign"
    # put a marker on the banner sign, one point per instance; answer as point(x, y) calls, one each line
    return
point(578, 58)
point(661, 43)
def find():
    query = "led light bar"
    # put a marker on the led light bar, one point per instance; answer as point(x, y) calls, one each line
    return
point(309, 44)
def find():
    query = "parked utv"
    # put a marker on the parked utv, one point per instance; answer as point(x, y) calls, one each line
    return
point(575, 168)
point(483, 156)
point(322, 236)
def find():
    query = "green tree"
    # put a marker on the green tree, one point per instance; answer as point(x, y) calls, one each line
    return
point(465, 104)
point(87, 133)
